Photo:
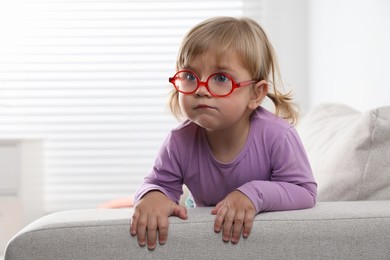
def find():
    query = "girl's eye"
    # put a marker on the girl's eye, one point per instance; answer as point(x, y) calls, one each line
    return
point(221, 78)
point(190, 76)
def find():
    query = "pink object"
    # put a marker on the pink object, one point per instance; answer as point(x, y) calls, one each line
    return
point(126, 202)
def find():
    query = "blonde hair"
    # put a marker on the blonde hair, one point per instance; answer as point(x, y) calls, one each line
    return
point(245, 37)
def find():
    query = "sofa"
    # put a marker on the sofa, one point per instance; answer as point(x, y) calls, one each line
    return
point(350, 155)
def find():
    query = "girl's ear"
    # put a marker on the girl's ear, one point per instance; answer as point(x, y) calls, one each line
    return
point(259, 92)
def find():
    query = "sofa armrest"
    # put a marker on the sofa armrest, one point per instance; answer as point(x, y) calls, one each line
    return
point(330, 230)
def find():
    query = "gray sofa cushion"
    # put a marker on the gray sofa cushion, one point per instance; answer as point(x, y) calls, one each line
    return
point(349, 151)
point(330, 230)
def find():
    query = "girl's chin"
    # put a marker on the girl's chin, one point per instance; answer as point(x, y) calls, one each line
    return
point(207, 124)
point(203, 122)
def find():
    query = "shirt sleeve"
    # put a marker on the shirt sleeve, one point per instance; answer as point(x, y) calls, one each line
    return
point(291, 185)
point(165, 175)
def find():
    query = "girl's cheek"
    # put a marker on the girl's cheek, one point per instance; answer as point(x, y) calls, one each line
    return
point(184, 103)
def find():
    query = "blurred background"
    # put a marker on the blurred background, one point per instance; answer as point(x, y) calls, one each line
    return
point(84, 85)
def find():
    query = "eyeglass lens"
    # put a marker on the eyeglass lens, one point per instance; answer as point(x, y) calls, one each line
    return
point(218, 84)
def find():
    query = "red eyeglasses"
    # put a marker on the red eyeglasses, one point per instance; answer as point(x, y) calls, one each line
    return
point(218, 84)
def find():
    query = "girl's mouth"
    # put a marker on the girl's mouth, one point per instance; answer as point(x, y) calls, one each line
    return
point(204, 107)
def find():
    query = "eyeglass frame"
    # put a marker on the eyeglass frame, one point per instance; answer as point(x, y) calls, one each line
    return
point(200, 83)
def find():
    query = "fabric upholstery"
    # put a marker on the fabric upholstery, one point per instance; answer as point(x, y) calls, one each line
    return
point(330, 230)
point(349, 151)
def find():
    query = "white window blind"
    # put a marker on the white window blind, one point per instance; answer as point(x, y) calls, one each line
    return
point(90, 78)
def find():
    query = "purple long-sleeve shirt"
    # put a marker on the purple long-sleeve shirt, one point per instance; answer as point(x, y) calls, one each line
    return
point(272, 169)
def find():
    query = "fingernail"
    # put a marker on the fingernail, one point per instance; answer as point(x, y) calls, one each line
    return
point(151, 246)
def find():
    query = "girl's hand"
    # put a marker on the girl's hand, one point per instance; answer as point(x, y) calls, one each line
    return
point(235, 214)
point(151, 217)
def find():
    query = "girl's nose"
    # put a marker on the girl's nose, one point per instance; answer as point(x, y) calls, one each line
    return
point(202, 90)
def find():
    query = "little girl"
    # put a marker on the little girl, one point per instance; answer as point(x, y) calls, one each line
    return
point(230, 152)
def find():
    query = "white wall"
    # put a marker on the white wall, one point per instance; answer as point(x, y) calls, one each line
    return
point(349, 57)
point(22, 173)
point(332, 50)
point(21, 189)
point(286, 23)
point(9, 168)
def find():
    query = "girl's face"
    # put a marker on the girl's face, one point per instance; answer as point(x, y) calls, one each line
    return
point(217, 113)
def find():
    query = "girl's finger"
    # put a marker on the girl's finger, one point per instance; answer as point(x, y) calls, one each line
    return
point(163, 224)
point(152, 232)
point(141, 229)
point(228, 224)
point(220, 218)
point(215, 210)
point(134, 223)
point(237, 226)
